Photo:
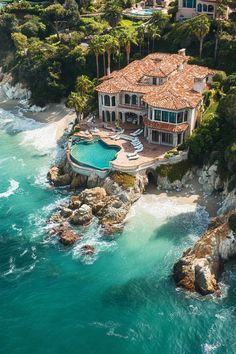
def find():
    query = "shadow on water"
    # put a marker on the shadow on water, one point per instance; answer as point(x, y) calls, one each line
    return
point(137, 292)
point(177, 228)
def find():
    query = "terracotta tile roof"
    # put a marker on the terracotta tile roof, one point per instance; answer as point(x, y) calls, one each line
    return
point(176, 93)
point(165, 126)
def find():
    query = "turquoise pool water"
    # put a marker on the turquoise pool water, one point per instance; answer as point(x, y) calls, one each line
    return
point(142, 12)
point(94, 154)
point(121, 301)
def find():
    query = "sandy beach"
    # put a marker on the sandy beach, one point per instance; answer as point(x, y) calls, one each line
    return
point(57, 113)
point(192, 195)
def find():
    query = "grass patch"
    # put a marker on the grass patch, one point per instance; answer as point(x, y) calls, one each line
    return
point(232, 222)
point(123, 179)
point(175, 171)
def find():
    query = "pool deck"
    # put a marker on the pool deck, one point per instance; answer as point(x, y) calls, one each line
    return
point(149, 157)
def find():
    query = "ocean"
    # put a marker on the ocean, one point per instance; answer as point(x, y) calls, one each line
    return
point(123, 299)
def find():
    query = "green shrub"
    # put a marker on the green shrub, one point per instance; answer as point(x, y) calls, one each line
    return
point(76, 128)
point(175, 171)
point(232, 222)
point(123, 179)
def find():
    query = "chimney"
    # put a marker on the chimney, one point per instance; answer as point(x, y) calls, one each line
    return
point(180, 66)
point(182, 52)
point(199, 84)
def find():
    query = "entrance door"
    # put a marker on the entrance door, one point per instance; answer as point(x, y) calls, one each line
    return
point(155, 136)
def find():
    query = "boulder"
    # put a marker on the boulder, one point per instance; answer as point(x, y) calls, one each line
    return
point(82, 216)
point(65, 212)
point(92, 196)
point(88, 250)
point(66, 236)
point(74, 202)
point(199, 267)
point(57, 179)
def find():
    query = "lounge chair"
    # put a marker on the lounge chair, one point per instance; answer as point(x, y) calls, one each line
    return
point(140, 132)
point(140, 149)
point(131, 154)
point(135, 157)
point(135, 143)
point(135, 132)
point(113, 137)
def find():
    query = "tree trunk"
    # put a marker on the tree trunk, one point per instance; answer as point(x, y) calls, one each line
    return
point(216, 46)
point(104, 64)
point(108, 62)
point(148, 42)
point(140, 48)
point(97, 65)
point(200, 50)
point(153, 44)
point(128, 50)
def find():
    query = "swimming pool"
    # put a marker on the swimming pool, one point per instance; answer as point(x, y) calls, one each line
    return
point(95, 154)
point(142, 12)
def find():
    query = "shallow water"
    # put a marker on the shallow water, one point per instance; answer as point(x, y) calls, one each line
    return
point(123, 300)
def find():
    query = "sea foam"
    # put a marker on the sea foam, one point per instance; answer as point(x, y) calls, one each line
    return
point(14, 185)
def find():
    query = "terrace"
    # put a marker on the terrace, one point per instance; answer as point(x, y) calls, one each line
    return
point(151, 156)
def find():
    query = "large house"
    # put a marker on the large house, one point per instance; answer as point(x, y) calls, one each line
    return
point(191, 8)
point(162, 93)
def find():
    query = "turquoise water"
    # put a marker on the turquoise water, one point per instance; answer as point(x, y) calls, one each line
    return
point(95, 154)
point(142, 12)
point(122, 300)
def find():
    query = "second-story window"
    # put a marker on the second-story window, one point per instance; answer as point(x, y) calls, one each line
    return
point(134, 100)
point(186, 116)
point(180, 117)
point(113, 101)
point(190, 4)
point(157, 115)
point(172, 117)
point(107, 100)
point(127, 99)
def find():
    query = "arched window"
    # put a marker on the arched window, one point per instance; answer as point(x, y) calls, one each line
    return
point(102, 99)
point(127, 98)
point(108, 117)
point(199, 7)
point(103, 116)
point(210, 8)
point(204, 8)
point(113, 101)
point(107, 100)
point(134, 99)
point(113, 116)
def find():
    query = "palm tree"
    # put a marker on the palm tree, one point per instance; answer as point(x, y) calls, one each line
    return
point(84, 86)
point(220, 12)
point(127, 39)
point(111, 46)
point(112, 12)
point(200, 27)
point(154, 33)
point(140, 37)
point(78, 103)
point(96, 46)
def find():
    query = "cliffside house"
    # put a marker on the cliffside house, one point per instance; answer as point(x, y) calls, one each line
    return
point(161, 93)
point(191, 8)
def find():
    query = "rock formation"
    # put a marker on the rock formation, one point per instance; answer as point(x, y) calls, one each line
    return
point(62, 175)
point(199, 267)
point(109, 203)
point(65, 235)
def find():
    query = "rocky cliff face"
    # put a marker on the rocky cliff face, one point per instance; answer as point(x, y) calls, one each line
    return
point(199, 267)
point(108, 202)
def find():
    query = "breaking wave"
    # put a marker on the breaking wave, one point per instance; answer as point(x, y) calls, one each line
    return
point(14, 185)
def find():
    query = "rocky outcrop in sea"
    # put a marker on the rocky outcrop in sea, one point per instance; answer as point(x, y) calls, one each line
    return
point(200, 267)
point(106, 200)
